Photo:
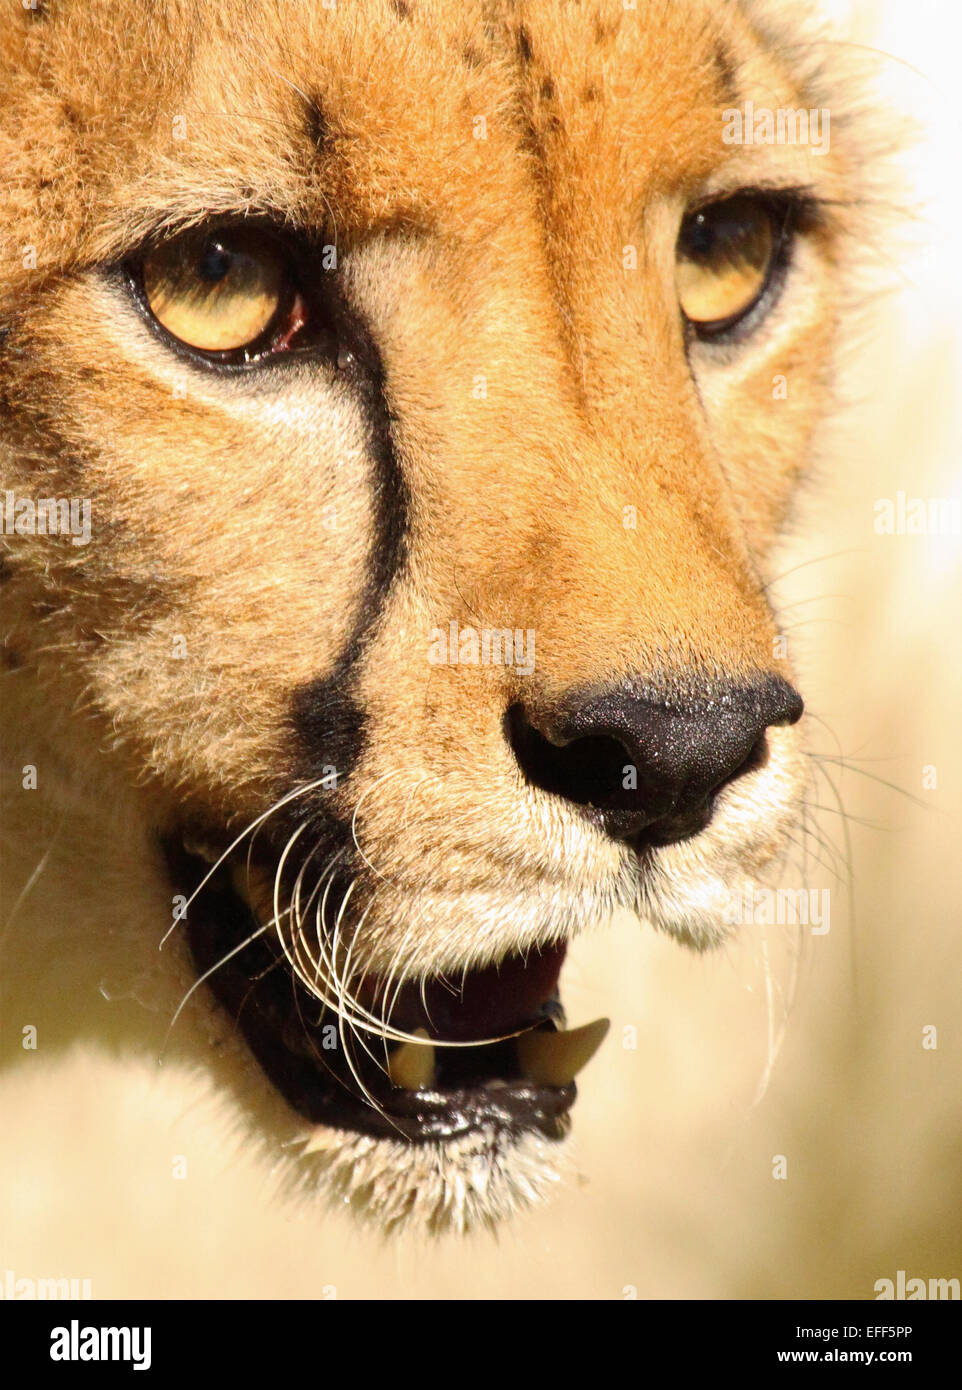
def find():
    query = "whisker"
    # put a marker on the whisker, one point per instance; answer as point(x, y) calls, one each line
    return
point(206, 976)
point(254, 825)
point(367, 792)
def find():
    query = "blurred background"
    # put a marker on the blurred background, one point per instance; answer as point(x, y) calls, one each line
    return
point(778, 1129)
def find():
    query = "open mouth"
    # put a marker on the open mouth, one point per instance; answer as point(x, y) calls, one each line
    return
point(488, 1051)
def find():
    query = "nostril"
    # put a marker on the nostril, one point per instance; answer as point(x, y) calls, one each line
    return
point(589, 771)
point(757, 757)
point(648, 771)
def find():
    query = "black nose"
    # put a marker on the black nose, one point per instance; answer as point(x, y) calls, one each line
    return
point(645, 770)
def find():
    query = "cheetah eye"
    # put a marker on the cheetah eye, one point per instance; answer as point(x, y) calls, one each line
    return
point(229, 292)
point(725, 259)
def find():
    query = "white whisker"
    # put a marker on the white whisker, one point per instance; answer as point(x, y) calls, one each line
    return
point(254, 825)
point(266, 926)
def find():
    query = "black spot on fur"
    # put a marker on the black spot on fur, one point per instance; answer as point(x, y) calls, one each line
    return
point(537, 130)
point(316, 125)
point(73, 116)
point(401, 8)
point(592, 92)
point(727, 75)
point(607, 29)
point(524, 45)
point(548, 92)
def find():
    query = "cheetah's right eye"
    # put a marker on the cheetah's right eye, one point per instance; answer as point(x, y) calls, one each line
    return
point(229, 293)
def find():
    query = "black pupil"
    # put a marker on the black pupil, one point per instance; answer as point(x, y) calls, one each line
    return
point(724, 233)
point(215, 262)
point(700, 238)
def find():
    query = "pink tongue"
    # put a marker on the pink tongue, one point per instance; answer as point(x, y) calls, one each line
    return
point(500, 999)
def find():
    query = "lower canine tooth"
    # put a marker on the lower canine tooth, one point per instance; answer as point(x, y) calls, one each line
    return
point(554, 1059)
point(412, 1064)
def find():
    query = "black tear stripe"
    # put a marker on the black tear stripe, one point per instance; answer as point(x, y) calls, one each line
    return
point(328, 714)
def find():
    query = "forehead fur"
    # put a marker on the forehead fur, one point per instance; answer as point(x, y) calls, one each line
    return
point(308, 110)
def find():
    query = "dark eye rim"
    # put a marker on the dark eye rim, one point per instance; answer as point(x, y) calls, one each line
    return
point(318, 339)
point(790, 211)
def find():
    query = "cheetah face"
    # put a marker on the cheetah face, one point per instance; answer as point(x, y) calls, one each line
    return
point(438, 376)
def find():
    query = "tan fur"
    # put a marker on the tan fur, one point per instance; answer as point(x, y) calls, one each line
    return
point(499, 257)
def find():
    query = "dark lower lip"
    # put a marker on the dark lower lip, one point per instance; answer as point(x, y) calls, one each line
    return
point(276, 1017)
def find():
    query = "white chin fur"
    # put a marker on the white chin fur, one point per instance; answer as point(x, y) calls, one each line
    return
point(695, 917)
point(477, 1179)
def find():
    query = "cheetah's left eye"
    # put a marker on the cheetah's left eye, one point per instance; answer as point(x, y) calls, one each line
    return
point(725, 258)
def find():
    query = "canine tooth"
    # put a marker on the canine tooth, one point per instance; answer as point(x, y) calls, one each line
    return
point(412, 1064)
point(554, 1059)
point(551, 1009)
